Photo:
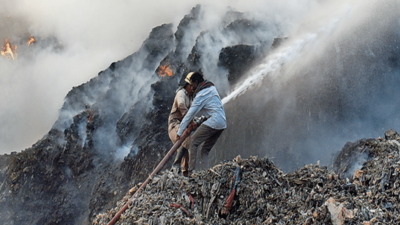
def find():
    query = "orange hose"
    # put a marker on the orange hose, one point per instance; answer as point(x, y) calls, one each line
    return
point(192, 200)
point(229, 201)
point(179, 207)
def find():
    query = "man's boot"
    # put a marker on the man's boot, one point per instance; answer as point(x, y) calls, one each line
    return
point(185, 162)
point(178, 158)
point(188, 174)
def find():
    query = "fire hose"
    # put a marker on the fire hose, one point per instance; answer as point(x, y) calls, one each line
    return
point(235, 185)
point(159, 167)
point(179, 207)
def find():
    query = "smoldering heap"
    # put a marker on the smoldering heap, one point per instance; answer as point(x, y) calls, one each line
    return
point(266, 195)
point(74, 173)
point(78, 168)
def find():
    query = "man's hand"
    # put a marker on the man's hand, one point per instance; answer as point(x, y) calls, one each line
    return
point(194, 125)
point(177, 137)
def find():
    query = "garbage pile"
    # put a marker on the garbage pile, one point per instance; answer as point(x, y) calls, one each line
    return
point(266, 195)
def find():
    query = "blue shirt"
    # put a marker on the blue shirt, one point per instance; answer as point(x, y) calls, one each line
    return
point(208, 103)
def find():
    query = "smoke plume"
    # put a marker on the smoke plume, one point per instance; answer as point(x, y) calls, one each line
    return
point(333, 81)
point(75, 40)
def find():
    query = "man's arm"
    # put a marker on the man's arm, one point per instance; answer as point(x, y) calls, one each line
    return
point(197, 105)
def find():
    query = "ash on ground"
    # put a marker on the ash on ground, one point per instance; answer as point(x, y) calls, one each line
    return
point(312, 194)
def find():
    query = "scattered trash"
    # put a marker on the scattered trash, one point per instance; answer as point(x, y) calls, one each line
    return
point(264, 194)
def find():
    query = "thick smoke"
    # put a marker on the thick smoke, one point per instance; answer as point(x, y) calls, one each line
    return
point(334, 80)
point(75, 40)
point(217, 28)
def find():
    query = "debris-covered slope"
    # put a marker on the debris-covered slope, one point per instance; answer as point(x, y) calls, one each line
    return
point(111, 131)
point(310, 195)
point(73, 170)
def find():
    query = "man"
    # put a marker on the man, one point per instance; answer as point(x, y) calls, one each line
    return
point(182, 102)
point(206, 99)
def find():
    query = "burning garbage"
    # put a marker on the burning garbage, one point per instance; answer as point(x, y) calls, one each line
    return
point(264, 194)
point(31, 41)
point(164, 71)
point(9, 50)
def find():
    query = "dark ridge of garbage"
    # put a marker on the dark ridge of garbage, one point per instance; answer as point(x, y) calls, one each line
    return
point(266, 195)
point(128, 126)
point(194, 58)
point(353, 154)
point(392, 135)
point(65, 178)
point(72, 174)
point(334, 99)
point(152, 141)
point(278, 42)
point(241, 26)
point(238, 60)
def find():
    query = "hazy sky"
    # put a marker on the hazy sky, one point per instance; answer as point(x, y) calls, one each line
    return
point(76, 40)
point(79, 39)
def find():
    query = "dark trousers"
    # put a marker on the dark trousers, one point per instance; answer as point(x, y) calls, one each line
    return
point(182, 157)
point(207, 135)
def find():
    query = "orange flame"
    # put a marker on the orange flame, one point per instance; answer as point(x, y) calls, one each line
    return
point(31, 40)
point(9, 49)
point(164, 71)
point(90, 115)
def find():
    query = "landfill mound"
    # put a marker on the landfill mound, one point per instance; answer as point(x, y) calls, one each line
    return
point(112, 129)
point(312, 194)
point(112, 126)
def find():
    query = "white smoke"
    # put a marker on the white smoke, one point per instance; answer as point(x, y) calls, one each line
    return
point(123, 151)
point(272, 64)
point(331, 82)
point(357, 164)
point(76, 40)
point(82, 132)
point(309, 42)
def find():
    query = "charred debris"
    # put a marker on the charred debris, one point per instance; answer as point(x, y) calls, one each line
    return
point(75, 172)
point(73, 175)
point(355, 192)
